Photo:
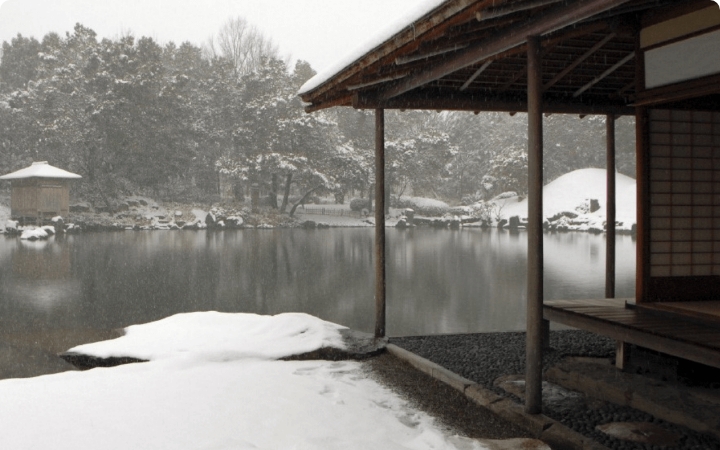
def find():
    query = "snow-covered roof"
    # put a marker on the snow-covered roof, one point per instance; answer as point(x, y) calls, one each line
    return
point(40, 169)
point(375, 39)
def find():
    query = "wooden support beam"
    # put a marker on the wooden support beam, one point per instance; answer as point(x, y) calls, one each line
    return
point(356, 86)
point(534, 344)
point(476, 74)
point(492, 13)
point(481, 102)
point(578, 61)
point(600, 77)
point(379, 223)
point(412, 58)
point(559, 17)
point(512, 79)
point(622, 353)
point(610, 208)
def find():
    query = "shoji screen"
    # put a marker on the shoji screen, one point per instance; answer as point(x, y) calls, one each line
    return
point(684, 193)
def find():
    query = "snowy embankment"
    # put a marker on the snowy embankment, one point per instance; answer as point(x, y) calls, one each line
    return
point(567, 200)
point(214, 382)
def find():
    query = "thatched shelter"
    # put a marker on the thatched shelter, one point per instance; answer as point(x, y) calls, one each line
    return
point(39, 191)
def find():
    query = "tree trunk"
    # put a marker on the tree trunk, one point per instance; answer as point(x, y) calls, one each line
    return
point(388, 189)
point(286, 195)
point(273, 191)
point(304, 197)
point(371, 193)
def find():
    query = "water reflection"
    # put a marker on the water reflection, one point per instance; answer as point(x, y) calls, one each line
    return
point(439, 281)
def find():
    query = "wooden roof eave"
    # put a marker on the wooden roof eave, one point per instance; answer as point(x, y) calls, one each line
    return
point(406, 41)
point(482, 102)
point(556, 18)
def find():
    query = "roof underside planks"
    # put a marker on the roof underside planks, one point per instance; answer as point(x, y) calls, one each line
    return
point(471, 55)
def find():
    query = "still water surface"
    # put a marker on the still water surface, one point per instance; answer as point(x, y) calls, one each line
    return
point(77, 288)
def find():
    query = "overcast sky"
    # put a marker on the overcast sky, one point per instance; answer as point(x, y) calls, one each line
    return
point(318, 31)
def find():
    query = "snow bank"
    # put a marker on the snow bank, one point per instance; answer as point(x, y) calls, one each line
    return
point(229, 396)
point(567, 192)
point(220, 336)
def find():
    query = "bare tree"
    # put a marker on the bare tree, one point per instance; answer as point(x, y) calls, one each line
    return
point(242, 44)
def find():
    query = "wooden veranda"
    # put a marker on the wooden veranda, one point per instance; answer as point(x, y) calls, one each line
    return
point(647, 58)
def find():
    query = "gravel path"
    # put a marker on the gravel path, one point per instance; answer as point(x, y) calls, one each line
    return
point(458, 414)
point(484, 357)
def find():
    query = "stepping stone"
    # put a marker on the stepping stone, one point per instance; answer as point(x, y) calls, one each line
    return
point(642, 432)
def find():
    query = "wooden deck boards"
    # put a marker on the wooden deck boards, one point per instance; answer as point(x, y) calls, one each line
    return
point(656, 329)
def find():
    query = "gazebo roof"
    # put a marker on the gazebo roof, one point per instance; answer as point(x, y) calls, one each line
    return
point(40, 169)
point(472, 55)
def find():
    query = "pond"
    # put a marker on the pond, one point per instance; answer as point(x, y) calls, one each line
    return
point(78, 288)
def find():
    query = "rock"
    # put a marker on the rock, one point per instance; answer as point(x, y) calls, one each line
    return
point(514, 444)
point(309, 224)
point(80, 207)
point(514, 222)
point(594, 205)
point(33, 234)
point(501, 224)
point(178, 213)
point(235, 221)
point(323, 225)
point(643, 432)
point(559, 215)
point(210, 220)
point(180, 223)
point(11, 227)
point(401, 224)
point(132, 202)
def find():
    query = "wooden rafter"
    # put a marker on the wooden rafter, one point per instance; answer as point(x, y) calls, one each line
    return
point(578, 61)
point(604, 74)
point(477, 73)
point(492, 13)
point(557, 18)
point(412, 58)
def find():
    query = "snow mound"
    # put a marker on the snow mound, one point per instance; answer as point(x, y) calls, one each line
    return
point(567, 192)
point(220, 336)
point(33, 234)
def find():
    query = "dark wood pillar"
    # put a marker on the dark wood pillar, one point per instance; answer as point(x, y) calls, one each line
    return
point(610, 209)
point(379, 223)
point(534, 344)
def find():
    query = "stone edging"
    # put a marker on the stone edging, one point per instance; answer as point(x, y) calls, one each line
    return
point(555, 434)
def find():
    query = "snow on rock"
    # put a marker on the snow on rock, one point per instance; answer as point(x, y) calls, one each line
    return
point(11, 226)
point(220, 336)
point(570, 192)
point(33, 234)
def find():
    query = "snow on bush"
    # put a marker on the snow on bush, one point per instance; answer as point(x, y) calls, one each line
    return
point(423, 206)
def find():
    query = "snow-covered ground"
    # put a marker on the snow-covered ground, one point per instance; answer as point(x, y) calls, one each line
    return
point(566, 193)
point(213, 382)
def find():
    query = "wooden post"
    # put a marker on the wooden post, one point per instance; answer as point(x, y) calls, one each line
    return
point(621, 352)
point(379, 223)
point(610, 208)
point(534, 343)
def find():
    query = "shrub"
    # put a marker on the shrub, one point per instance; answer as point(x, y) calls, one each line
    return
point(424, 206)
point(358, 204)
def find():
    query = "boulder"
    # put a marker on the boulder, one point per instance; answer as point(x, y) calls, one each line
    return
point(309, 224)
point(210, 220)
point(514, 222)
point(80, 207)
point(501, 224)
